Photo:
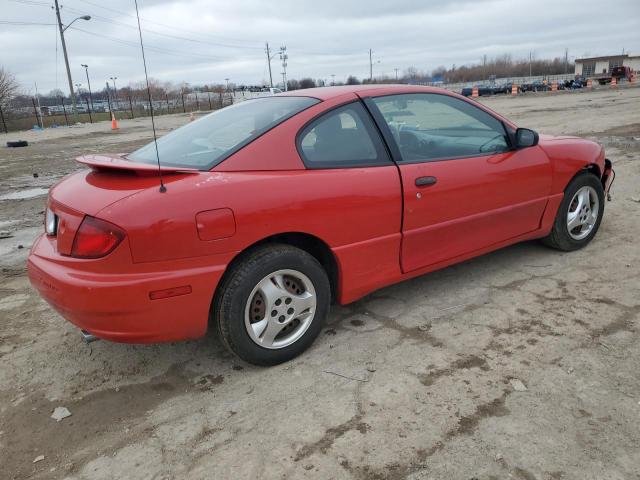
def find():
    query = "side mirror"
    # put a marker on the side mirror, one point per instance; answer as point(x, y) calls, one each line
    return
point(526, 138)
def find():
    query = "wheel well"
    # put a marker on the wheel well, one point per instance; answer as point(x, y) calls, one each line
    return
point(595, 169)
point(309, 243)
point(591, 168)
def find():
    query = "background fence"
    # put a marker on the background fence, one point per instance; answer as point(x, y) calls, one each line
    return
point(127, 107)
point(456, 87)
point(61, 114)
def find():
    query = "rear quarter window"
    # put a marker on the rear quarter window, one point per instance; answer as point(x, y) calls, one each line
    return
point(341, 138)
point(208, 141)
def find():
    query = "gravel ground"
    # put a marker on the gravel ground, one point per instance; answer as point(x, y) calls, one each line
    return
point(519, 364)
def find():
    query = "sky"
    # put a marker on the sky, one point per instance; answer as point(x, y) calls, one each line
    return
point(208, 41)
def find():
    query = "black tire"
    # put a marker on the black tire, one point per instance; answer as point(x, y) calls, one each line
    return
point(16, 144)
point(559, 237)
point(233, 295)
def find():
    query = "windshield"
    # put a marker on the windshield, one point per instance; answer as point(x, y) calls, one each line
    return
point(209, 140)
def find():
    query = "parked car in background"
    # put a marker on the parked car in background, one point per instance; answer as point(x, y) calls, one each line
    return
point(504, 88)
point(535, 86)
point(483, 90)
point(273, 208)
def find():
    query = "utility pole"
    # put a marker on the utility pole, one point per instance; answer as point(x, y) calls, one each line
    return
point(66, 56)
point(39, 111)
point(566, 60)
point(530, 57)
point(86, 69)
point(269, 62)
point(396, 73)
point(66, 61)
point(370, 66)
point(284, 57)
point(333, 79)
point(109, 102)
point(484, 65)
point(227, 80)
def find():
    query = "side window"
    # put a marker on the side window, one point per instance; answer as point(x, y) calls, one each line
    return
point(344, 137)
point(429, 126)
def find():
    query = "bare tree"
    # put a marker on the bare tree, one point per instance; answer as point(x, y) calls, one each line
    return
point(307, 83)
point(8, 86)
point(504, 66)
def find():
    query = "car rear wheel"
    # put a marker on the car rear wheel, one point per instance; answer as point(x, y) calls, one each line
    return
point(579, 214)
point(272, 304)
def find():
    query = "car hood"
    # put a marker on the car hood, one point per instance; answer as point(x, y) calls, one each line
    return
point(544, 138)
point(570, 146)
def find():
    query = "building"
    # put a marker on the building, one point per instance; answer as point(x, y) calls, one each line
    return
point(595, 66)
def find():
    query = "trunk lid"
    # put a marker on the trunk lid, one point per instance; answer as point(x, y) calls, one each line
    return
point(87, 192)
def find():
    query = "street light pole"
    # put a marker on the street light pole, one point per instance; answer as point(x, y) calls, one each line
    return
point(86, 69)
point(115, 92)
point(66, 56)
point(370, 66)
point(227, 80)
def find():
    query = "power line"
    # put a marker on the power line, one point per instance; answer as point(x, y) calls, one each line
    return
point(172, 27)
point(30, 2)
point(155, 32)
point(151, 48)
point(11, 22)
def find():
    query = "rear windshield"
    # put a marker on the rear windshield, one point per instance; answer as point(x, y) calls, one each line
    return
point(209, 140)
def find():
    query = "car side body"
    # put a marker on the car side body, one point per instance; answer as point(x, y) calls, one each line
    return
point(368, 226)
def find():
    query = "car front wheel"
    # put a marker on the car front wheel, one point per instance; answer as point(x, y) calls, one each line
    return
point(579, 214)
point(272, 304)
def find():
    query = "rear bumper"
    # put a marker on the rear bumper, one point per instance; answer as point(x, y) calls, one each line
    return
point(97, 296)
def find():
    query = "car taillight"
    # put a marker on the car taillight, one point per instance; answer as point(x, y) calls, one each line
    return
point(50, 222)
point(96, 238)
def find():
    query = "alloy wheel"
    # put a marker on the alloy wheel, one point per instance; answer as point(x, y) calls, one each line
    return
point(582, 216)
point(280, 309)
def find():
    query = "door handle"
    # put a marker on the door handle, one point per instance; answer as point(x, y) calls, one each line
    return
point(425, 181)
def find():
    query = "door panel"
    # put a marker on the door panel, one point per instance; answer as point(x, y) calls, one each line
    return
point(474, 203)
point(464, 187)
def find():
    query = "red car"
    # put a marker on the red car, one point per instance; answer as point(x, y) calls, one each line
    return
point(276, 207)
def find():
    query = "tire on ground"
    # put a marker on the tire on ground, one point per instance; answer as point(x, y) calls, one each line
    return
point(231, 300)
point(18, 143)
point(559, 237)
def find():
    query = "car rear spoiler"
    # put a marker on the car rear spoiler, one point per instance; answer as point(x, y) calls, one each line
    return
point(102, 163)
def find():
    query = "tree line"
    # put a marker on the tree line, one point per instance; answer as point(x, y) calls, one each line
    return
point(500, 66)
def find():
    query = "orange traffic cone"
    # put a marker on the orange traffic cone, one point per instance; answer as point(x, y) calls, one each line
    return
point(114, 122)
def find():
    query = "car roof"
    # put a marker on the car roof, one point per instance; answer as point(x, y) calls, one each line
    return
point(326, 93)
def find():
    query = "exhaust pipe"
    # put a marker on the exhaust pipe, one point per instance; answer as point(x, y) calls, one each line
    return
point(88, 337)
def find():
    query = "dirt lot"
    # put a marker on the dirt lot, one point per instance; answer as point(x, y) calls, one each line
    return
point(419, 380)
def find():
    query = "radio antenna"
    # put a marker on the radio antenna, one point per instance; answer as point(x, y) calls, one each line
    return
point(153, 123)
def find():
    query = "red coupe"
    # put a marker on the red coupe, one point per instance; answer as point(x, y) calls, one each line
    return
point(277, 206)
